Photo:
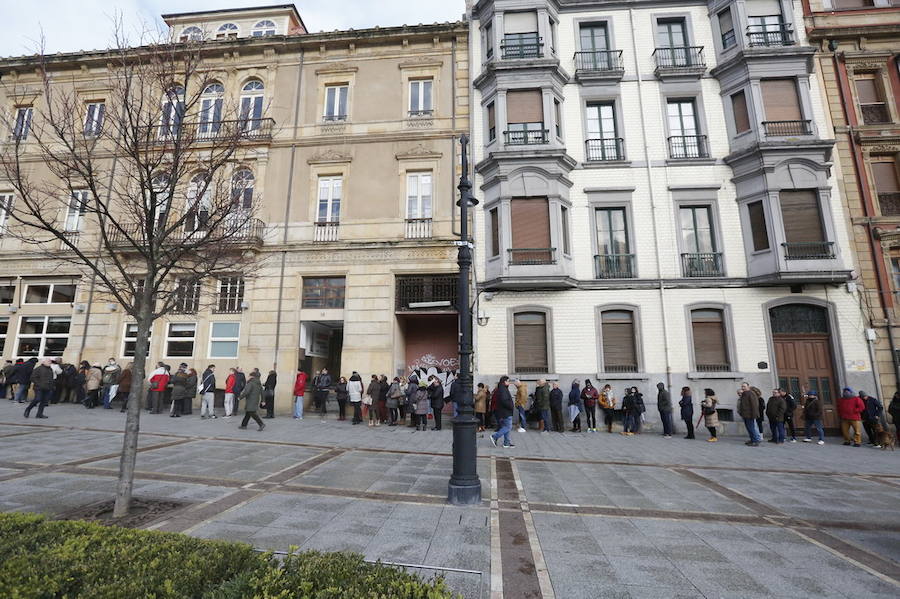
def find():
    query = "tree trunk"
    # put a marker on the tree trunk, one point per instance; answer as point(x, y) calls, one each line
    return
point(133, 415)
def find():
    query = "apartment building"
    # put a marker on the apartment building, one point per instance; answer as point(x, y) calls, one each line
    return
point(658, 202)
point(351, 172)
point(858, 42)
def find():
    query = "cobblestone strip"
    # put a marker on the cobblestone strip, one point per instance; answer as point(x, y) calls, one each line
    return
point(886, 570)
point(520, 575)
point(303, 467)
point(543, 573)
point(110, 456)
point(496, 545)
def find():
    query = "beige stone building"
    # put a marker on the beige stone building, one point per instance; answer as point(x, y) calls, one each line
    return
point(353, 178)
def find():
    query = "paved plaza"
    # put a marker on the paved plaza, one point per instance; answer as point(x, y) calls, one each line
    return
point(567, 516)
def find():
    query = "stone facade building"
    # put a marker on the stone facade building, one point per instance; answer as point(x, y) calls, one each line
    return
point(858, 42)
point(658, 202)
point(353, 182)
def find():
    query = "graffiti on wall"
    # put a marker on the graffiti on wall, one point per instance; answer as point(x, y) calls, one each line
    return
point(445, 369)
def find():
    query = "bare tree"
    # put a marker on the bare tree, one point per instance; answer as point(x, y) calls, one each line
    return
point(144, 195)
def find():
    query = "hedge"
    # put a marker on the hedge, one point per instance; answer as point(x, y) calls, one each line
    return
point(44, 559)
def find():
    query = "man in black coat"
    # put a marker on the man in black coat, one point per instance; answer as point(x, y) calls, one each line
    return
point(503, 413)
point(323, 386)
point(42, 379)
point(436, 397)
point(664, 404)
point(22, 375)
point(240, 381)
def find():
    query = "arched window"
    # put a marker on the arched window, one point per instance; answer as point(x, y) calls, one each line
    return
point(802, 319)
point(198, 203)
point(172, 111)
point(191, 34)
point(264, 28)
point(242, 189)
point(161, 197)
point(211, 109)
point(618, 340)
point(530, 351)
point(710, 346)
point(227, 30)
point(252, 105)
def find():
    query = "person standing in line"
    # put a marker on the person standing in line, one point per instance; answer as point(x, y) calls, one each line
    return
point(299, 392)
point(790, 404)
point(686, 403)
point(92, 384)
point(186, 395)
point(412, 385)
point(159, 378)
point(481, 397)
point(760, 420)
point(664, 405)
point(423, 405)
point(505, 408)
point(542, 403)
point(850, 409)
point(870, 416)
point(180, 391)
point(269, 393)
point(373, 391)
point(748, 409)
point(230, 381)
point(894, 411)
point(383, 387)
point(589, 397)
point(522, 404)
point(355, 392)
point(640, 408)
point(23, 378)
point(629, 407)
point(42, 380)
point(812, 417)
point(608, 405)
point(76, 381)
point(393, 401)
point(110, 381)
point(240, 381)
point(556, 408)
point(323, 387)
point(207, 392)
point(710, 415)
point(775, 409)
point(342, 394)
point(5, 376)
point(252, 395)
point(58, 380)
point(436, 396)
point(576, 406)
point(125, 385)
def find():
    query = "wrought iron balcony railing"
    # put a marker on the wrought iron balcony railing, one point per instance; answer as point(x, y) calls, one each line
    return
point(875, 114)
point(524, 45)
point(808, 250)
point(686, 57)
point(728, 39)
point(787, 128)
point(620, 368)
point(422, 289)
point(531, 256)
point(239, 232)
point(770, 35)
point(707, 264)
point(614, 266)
point(598, 61)
point(688, 146)
point(889, 203)
point(326, 231)
point(421, 113)
point(607, 148)
point(713, 367)
point(521, 137)
point(418, 228)
point(241, 130)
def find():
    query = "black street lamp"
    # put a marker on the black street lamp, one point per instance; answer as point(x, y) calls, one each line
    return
point(465, 486)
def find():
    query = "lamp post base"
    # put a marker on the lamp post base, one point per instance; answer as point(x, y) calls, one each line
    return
point(464, 487)
point(464, 494)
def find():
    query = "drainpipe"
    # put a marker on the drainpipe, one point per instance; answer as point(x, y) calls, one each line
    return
point(656, 248)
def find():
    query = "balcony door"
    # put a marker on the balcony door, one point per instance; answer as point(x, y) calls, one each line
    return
point(804, 234)
point(594, 38)
point(672, 43)
point(699, 257)
point(602, 143)
point(525, 115)
point(684, 141)
point(531, 243)
point(614, 259)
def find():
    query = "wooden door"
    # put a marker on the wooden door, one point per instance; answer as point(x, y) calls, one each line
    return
point(803, 362)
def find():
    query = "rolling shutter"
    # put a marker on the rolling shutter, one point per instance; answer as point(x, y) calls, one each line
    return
point(524, 106)
point(617, 332)
point(741, 116)
point(520, 22)
point(531, 230)
point(710, 353)
point(763, 8)
point(885, 174)
point(758, 228)
point(801, 216)
point(530, 339)
point(781, 100)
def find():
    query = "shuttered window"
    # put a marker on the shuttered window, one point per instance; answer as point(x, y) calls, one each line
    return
point(495, 232)
point(530, 342)
point(617, 334)
point(851, 4)
point(524, 107)
point(780, 100)
point(726, 28)
point(492, 124)
point(710, 351)
point(758, 229)
point(884, 172)
point(531, 231)
point(760, 8)
point(741, 116)
point(801, 216)
point(867, 90)
point(520, 22)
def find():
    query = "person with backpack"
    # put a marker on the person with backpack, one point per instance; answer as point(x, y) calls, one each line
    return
point(393, 401)
point(812, 416)
point(790, 404)
point(110, 382)
point(870, 417)
point(542, 404)
point(42, 380)
point(323, 387)
point(355, 392)
point(556, 408)
point(159, 380)
point(664, 405)
point(589, 397)
point(748, 410)
point(630, 412)
point(686, 403)
point(576, 406)
point(184, 388)
point(207, 392)
point(641, 409)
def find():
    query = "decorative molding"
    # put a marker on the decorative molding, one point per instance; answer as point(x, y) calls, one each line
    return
point(329, 156)
point(420, 123)
point(421, 62)
point(418, 152)
point(338, 67)
point(697, 186)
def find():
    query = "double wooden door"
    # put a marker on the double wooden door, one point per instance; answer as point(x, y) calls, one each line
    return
point(803, 363)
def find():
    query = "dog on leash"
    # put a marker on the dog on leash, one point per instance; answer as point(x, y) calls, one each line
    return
point(884, 438)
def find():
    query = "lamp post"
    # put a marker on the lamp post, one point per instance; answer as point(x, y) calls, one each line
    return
point(465, 486)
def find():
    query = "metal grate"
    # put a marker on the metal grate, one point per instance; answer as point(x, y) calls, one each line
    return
point(416, 289)
point(686, 57)
point(707, 264)
point(688, 146)
point(608, 148)
point(784, 128)
point(614, 266)
point(531, 256)
point(808, 250)
point(770, 35)
point(598, 61)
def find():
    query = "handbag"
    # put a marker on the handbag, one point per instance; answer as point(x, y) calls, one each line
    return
point(367, 400)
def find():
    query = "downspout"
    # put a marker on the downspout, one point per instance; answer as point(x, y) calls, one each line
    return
point(862, 182)
point(656, 248)
point(287, 212)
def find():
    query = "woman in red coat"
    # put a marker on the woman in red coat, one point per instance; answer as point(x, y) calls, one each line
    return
point(299, 392)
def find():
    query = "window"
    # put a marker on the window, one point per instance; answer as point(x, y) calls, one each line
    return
point(802, 217)
point(4, 330)
point(43, 336)
point(6, 205)
point(263, 28)
point(336, 102)
point(530, 342)
point(594, 37)
point(887, 184)
point(618, 342)
point(766, 29)
point(488, 40)
point(191, 34)
point(726, 28)
point(420, 101)
point(557, 120)
point(684, 142)
point(759, 231)
point(227, 30)
point(187, 297)
point(495, 232)
point(22, 125)
point(603, 142)
point(531, 232)
point(672, 44)
point(696, 230)
point(492, 122)
point(871, 99)
point(52, 293)
point(324, 292)
point(564, 225)
point(211, 101)
point(710, 349)
point(198, 203)
point(520, 38)
point(161, 197)
point(525, 117)
point(7, 293)
point(231, 295)
point(329, 210)
point(172, 112)
point(252, 105)
point(614, 259)
point(418, 194)
point(180, 338)
point(75, 210)
point(782, 106)
point(242, 189)
point(895, 274)
point(741, 116)
point(852, 4)
point(93, 120)
point(223, 339)
point(129, 340)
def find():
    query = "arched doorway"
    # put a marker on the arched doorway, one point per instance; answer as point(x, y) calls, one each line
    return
point(803, 356)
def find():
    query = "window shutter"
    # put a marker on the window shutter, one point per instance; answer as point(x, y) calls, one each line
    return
point(850, 4)
point(520, 22)
point(495, 233)
point(741, 116)
point(490, 116)
point(758, 228)
point(801, 216)
point(617, 328)
point(530, 342)
point(725, 22)
point(524, 106)
point(885, 175)
point(763, 8)
point(531, 229)
point(710, 353)
point(867, 91)
point(781, 100)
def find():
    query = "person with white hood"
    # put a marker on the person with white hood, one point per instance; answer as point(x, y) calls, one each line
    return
point(159, 380)
point(111, 374)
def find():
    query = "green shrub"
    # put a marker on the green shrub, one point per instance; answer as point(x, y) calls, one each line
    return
point(45, 559)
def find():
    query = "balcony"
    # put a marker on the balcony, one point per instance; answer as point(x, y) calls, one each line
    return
point(334, 118)
point(713, 367)
point(770, 35)
point(687, 61)
point(787, 128)
point(531, 256)
point(702, 265)
point(599, 64)
point(326, 231)
point(808, 250)
point(889, 203)
point(223, 132)
point(875, 114)
point(614, 266)
point(688, 147)
point(239, 233)
point(418, 228)
point(521, 45)
point(604, 149)
point(620, 368)
point(522, 137)
point(414, 292)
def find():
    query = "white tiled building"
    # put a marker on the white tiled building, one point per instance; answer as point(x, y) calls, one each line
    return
point(657, 202)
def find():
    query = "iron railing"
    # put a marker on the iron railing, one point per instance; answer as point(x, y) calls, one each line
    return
point(787, 128)
point(598, 61)
point(241, 130)
point(808, 250)
point(688, 146)
point(707, 264)
point(531, 256)
point(729, 39)
point(686, 57)
point(607, 148)
point(620, 368)
point(531, 369)
point(326, 231)
point(418, 289)
point(420, 113)
point(334, 118)
point(521, 137)
point(874, 114)
point(614, 266)
point(770, 35)
point(238, 232)
point(889, 203)
point(713, 367)
point(522, 45)
point(418, 228)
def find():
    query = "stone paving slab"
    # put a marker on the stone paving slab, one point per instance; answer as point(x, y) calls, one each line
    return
point(885, 544)
point(66, 445)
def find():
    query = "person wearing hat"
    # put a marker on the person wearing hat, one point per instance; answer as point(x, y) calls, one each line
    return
point(850, 409)
point(423, 404)
point(252, 395)
point(812, 416)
